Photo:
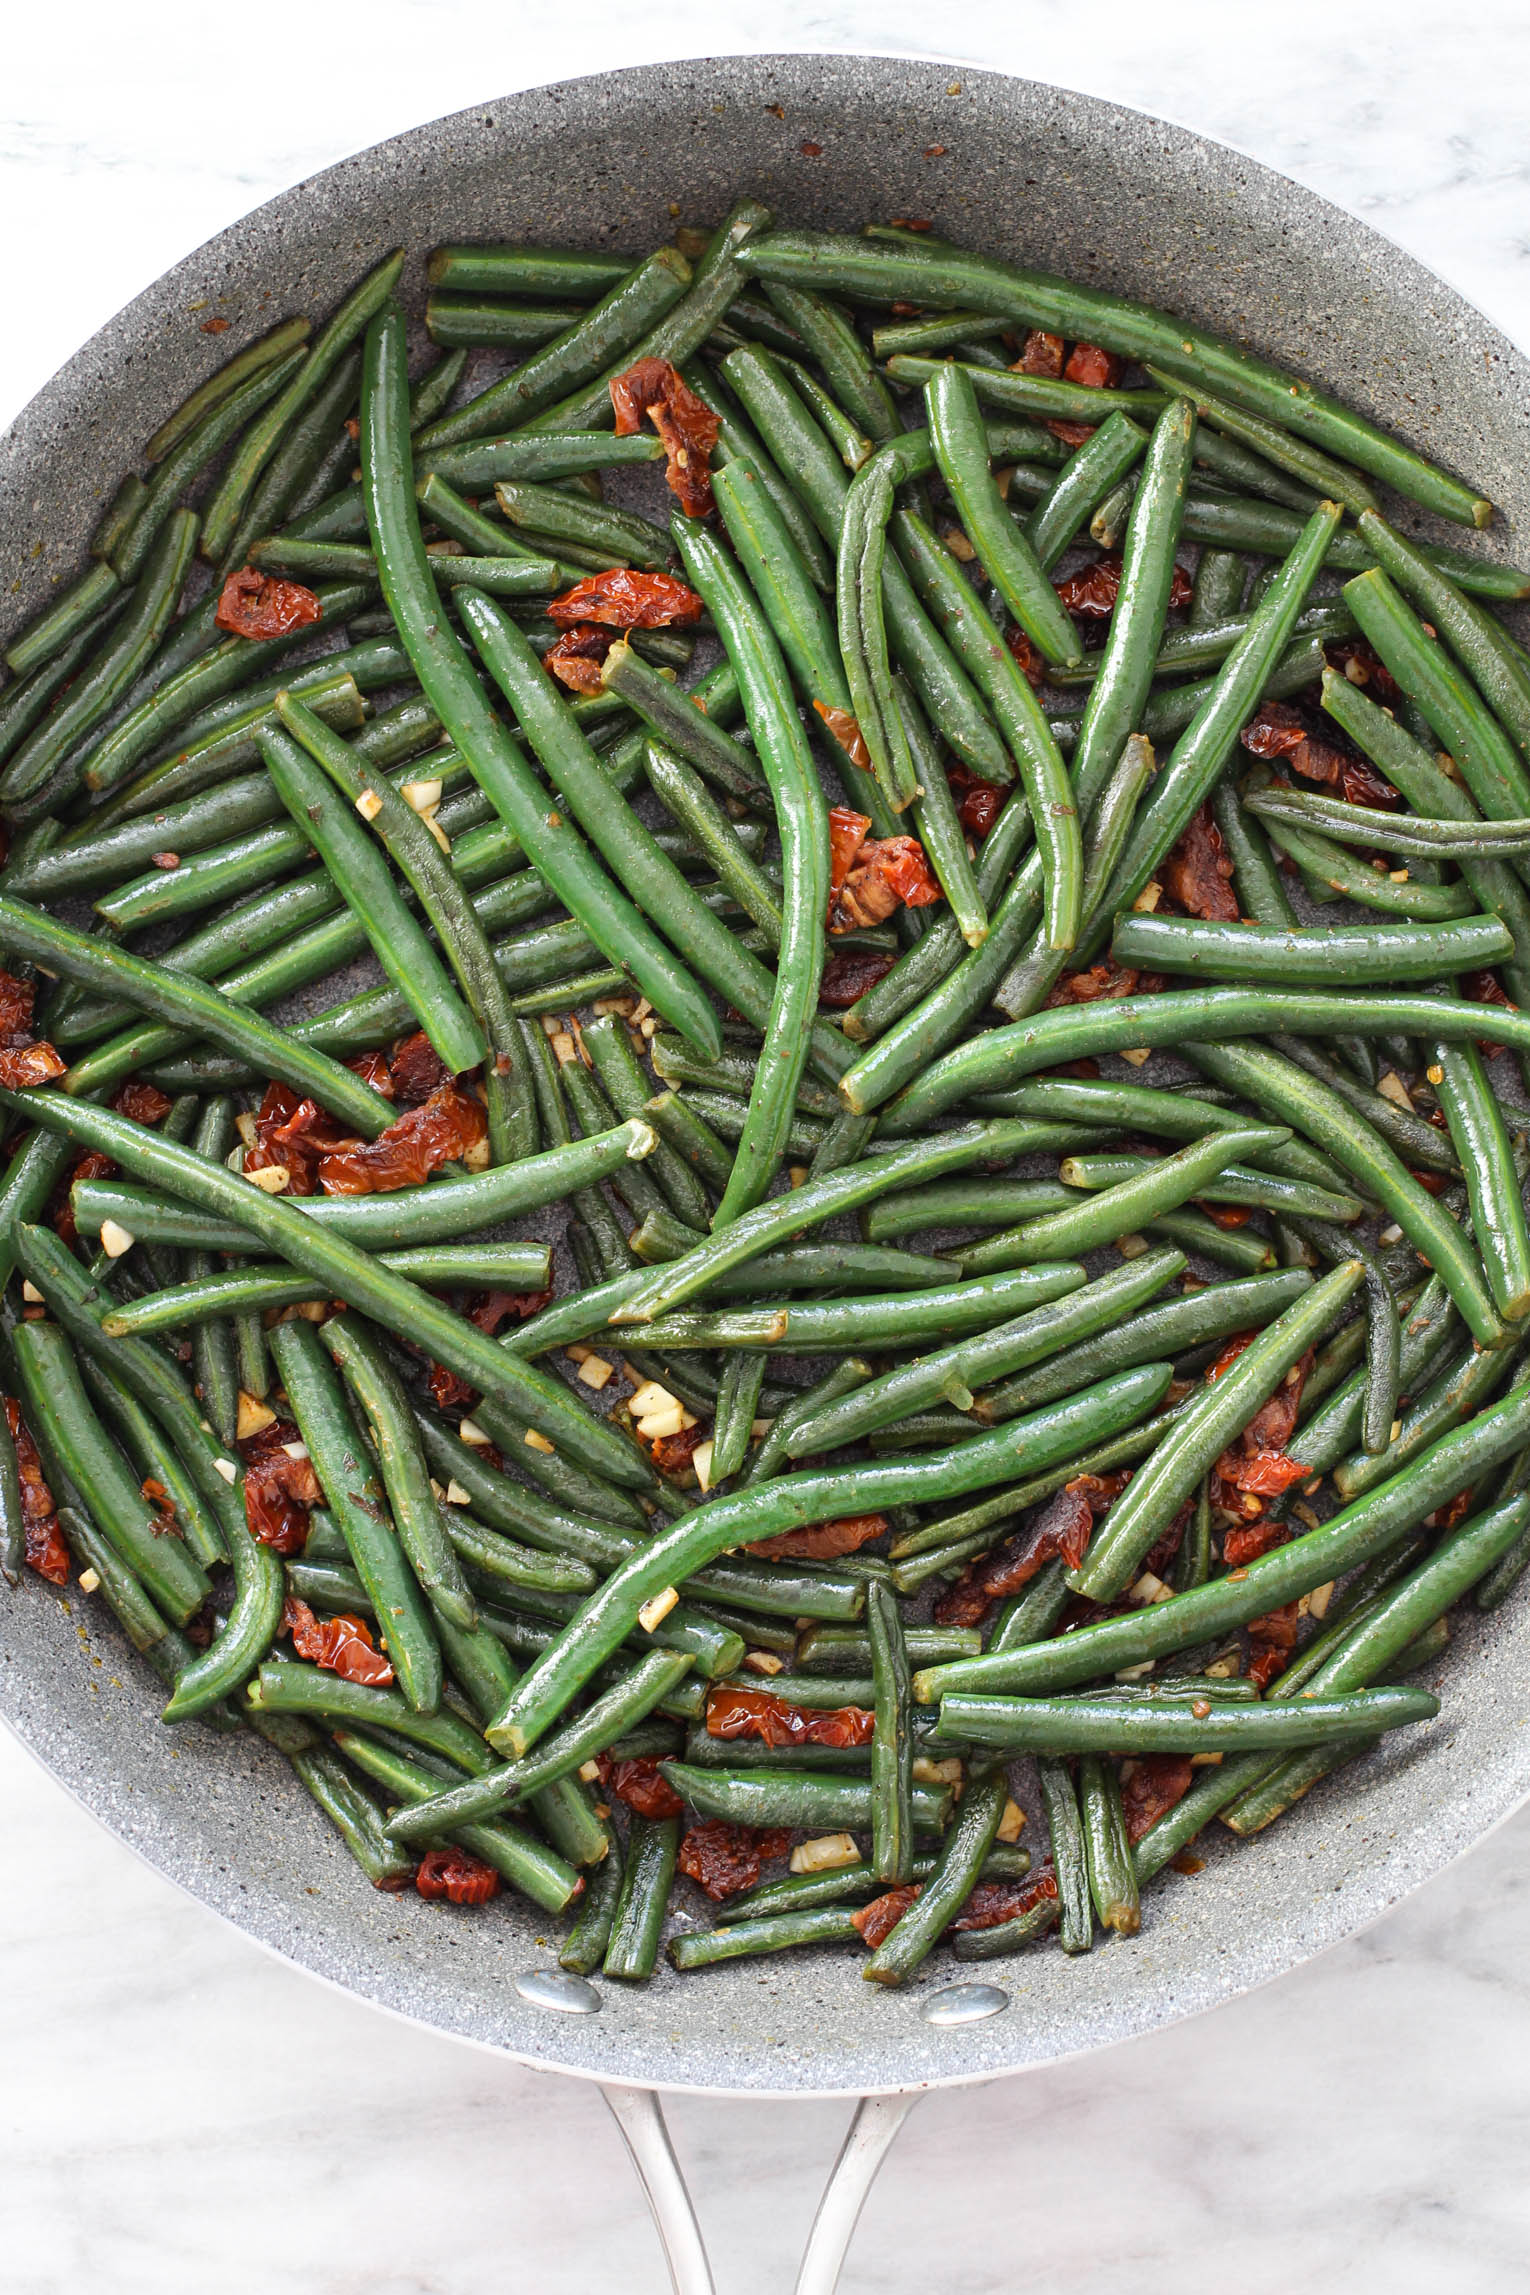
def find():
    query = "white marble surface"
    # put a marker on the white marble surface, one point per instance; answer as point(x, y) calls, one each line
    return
point(177, 2111)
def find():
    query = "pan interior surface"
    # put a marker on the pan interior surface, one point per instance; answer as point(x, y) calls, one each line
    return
point(1012, 169)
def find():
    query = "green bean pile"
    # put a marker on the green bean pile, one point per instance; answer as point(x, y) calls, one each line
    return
point(816, 1364)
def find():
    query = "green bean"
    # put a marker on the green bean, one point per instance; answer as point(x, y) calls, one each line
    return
point(541, 457)
point(737, 441)
point(124, 1596)
point(1318, 472)
point(806, 1797)
point(1235, 1183)
point(1370, 1525)
point(802, 821)
point(1192, 647)
point(1202, 751)
point(617, 1068)
point(60, 1414)
point(552, 844)
point(150, 1450)
point(1326, 865)
point(40, 771)
point(847, 1649)
point(989, 661)
point(1046, 397)
point(765, 1508)
point(504, 577)
point(1215, 1416)
point(1478, 640)
point(1286, 1092)
point(191, 455)
point(619, 536)
point(1102, 1217)
point(12, 1519)
point(738, 1401)
point(294, 1687)
point(1455, 1393)
point(652, 1846)
point(1084, 480)
point(1158, 1333)
point(970, 1202)
point(1356, 954)
point(941, 829)
point(25, 700)
point(1176, 1725)
point(771, 1453)
point(679, 722)
point(492, 1556)
point(1495, 775)
point(517, 269)
point(408, 1218)
point(1107, 1851)
point(255, 449)
point(584, 1948)
point(863, 634)
point(703, 1948)
point(1201, 1014)
point(1393, 832)
point(961, 1859)
point(288, 336)
point(892, 1743)
point(473, 322)
point(1492, 1184)
point(1069, 1860)
point(928, 274)
point(353, 1815)
point(45, 638)
point(839, 351)
point(814, 1327)
point(954, 1370)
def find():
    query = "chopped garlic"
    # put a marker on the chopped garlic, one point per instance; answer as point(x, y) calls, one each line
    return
point(1147, 900)
point(763, 1661)
point(658, 1426)
point(1392, 1087)
point(478, 1156)
point(116, 1239)
point(1012, 1823)
point(759, 1428)
point(271, 1179)
point(456, 1495)
point(1132, 1246)
point(589, 1772)
point(1135, 1672)
point(928, 1772)
point(564, 1050)
point(422, 796)
point(436, 830)
point(1148, 1589)
point(535, 1441)
point(657, 1608)
point(369, 804)
point(958, 545)
point(827, 1854)
point(254, 1416)
point(1205, 1760)
point(1139, 1057)
point(797, 1174)
point(227, 1468)
point(244, 1125)
point(594, 1371)
point(295, 1449)
point(650, 1397)
point(1392, 1234)
point(701, 1459)
point(31, 1294)
point(470, 1432)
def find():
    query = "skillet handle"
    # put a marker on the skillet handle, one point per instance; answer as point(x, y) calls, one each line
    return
point(868, 2139)
point(640, 2116)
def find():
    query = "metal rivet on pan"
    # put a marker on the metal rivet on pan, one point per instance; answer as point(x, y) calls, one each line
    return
point(570, 1995)
point(964, 2003)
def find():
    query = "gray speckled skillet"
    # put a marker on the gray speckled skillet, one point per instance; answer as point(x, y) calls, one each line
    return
point(1026, 171)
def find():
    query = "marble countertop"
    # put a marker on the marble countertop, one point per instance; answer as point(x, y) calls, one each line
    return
point(181, 2111)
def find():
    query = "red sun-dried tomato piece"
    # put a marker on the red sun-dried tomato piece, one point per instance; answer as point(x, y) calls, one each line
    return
point(1043, 355)
point(848, 974)
point(687, 428)
point(23, 1065)
point(992, 1903)
point(1152, 1789)
point(1229, 1352)
point(341, 1645)
point(1246, 1541)
point(1262, 1473)
point(1280, 729)
point(623, 599)
point(888, 872)
point(1481, 988)
point(43, 1545)
point(449, 1392)
point(1062, 1528)
point(164, 1524)
point(760, 1713)
point(1197, 876)
point(256, 605)
point(823, 1542)
point(373, 1069)
point(457, 1875)
point(672, 1453)
point(722, 1858)
point(1273, 1424)
point(17, 998)
point(576, 658)
point(278, 1489)
point(417, 1069)
point(1071, 433)
point(144, 1103)
point(847, 834)
point(448, 1126)
point(1093, 589)
point(1097, 981)
point(978, 803)
point(1028, 660)
point(1094, 368)
point(641, 1784)
point(1362, 667)
point(290, 1135)
point(847, 732)
point(496, 1307)
point(875, 1922)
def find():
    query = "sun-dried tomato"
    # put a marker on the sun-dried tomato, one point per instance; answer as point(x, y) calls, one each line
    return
point(1098, 980)
point(1228, 1215)
point(576, 658)
point(1027, 659)
point(279, 1489)
point(978, 803)
point(456, 1874)
point(43, 1541)
point(1197, 876)
point(1486, 988)
point(1280, 729)
point(847, 834)
point(164, 1524)
point(341, 1645)
point(1362, 667)
point(759, 1713)
point(1228, 1353)
point(417, 1069)
point(1071, 433)
point(848, 974)
point(1256, 1466)
point(1092, 591)
point(641, 1784)
point(373, 1069)
point(1246, 1541)
point(1043, 355)
point(824, 1542)
point(144, 1103)
point(290, 1135)
point(496, 1307)
point(256, 605)
point(17, 998)
point(1063, 1527)
point(448, 1126)
point(449, 1392)
point(23, 1065)
point(687, 428)
point(1094, 368)
point(1274, 1638)
point(1157, 1782)
point(992, 1903)
point(627, 600)
point(889, 872)
point(139, 1101)
point(1455, 1511)
point(722, 1858)
point(876, 1921)
point(847, 732)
